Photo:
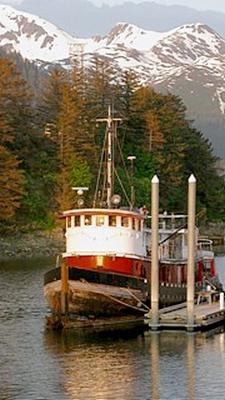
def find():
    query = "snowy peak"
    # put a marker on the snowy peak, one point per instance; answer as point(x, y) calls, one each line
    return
point(31, 36)
point(131, 36)
point(37, 39)
point(183, 45)
point(188, 43)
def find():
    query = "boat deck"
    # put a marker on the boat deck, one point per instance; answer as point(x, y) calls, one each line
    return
point(206, 316)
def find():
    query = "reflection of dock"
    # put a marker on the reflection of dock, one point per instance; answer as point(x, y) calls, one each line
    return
point(206, 316)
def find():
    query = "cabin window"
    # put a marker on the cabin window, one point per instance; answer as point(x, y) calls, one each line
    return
point(206, 265)
point(112, 220)
point(125, 222)
point(87, 220)
point(69, 222)
point(77, 220)
point(100, 220)
point(133, 223)
point(139, 225)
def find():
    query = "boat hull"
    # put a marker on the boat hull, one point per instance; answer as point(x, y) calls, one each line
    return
point(89, 299)
point(105, 294)
point(96, 293)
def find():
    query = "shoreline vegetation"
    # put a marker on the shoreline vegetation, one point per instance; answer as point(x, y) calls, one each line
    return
point(52, 242)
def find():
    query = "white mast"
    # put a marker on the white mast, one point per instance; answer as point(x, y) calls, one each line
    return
point(109, 120)
point(109, 159)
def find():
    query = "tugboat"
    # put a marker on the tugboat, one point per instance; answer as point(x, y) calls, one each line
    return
point(108, 258)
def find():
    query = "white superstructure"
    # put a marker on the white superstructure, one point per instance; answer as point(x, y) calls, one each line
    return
point(105, 231)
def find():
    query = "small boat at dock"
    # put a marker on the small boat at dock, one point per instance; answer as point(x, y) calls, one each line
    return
point(108, 258)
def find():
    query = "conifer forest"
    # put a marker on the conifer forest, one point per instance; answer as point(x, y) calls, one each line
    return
point(50, 142)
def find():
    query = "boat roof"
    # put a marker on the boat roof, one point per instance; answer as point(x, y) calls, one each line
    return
point(106, 211)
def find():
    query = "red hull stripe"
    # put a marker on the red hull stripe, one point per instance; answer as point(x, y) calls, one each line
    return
point(121, 265)
point(172, 273)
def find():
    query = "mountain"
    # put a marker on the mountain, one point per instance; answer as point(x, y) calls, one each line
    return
point(188, 61)
point(31, 36)
point(83, 19)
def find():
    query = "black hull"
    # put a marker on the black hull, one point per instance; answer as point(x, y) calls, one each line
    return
point(106, 294)
point(104, 278)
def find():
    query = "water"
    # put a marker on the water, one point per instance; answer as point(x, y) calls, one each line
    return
point(36, 364)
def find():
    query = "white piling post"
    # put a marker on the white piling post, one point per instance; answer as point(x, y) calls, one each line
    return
point(155, 252)
point(191, 252)
point(221, 301)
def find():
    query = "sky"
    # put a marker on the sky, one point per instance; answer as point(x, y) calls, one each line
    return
point(217, 5)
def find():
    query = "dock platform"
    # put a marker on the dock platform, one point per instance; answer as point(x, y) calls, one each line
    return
point(206, 316)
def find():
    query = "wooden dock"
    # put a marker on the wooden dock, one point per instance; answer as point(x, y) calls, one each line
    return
point(206, 316)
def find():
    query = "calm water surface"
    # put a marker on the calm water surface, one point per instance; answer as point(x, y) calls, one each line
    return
point(39, 365)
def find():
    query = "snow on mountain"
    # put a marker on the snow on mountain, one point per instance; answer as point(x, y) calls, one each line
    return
point(160, 54)
point(188, 61)
point(128, 45)
point(31, 36)
point(155, 57)
point(191, 45)
point(191, 55)
point(131, 36)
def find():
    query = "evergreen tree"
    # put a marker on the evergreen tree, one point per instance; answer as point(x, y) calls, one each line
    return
point(51, 100)
point(51, 144)
point(199, 159)
point(11, 185)
point(11, 176)
point(68, 115)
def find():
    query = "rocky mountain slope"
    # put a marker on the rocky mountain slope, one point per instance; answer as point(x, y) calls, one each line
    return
point(31, 36)
point(188, 60)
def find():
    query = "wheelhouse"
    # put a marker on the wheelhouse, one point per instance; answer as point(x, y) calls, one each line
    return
point(105, 231)
point(103, 218)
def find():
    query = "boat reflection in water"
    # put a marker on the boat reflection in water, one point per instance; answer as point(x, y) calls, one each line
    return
point(154, 378)
point(190, 368)
point(154, 366)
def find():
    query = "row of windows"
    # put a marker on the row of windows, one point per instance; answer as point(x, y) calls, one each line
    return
point(103, 220)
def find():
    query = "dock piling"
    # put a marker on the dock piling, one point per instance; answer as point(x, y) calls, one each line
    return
point(191, 252)
point(155, 254)
point(222, 301)
point(64, 288)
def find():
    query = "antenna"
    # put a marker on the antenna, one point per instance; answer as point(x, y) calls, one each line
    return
point(109, 120)
point(132, 193)
point(76, 53)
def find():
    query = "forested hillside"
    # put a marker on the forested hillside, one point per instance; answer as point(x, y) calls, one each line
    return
point(50, 142)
